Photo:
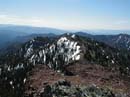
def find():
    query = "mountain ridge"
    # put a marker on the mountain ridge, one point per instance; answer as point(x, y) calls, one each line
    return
point(10, 32)
point(58, 53)
point(120, 41)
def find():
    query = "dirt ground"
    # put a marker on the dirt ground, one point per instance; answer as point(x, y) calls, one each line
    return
point(88, 74)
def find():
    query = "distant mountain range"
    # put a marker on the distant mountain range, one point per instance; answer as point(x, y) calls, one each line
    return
point(106, 32)
point(31, 29)
point(9, 33)
point(120, 41)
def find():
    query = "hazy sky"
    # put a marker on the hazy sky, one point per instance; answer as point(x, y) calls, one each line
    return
point(67, 14)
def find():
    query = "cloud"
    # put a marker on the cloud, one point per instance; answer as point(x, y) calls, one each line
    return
point(33, 21)
point(67, 23)
point(120, 22)
point(6, 19)
point(36, 21)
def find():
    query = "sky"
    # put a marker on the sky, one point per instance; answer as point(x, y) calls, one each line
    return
point(67, 14)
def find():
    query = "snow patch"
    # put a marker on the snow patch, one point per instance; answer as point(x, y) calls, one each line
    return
point(63, 52)
point(11, 82)
point(0, 71)
point(24, 80)
point(73, 36)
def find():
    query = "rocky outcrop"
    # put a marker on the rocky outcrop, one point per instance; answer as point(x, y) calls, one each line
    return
point(65, 89)
point(57, 54)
